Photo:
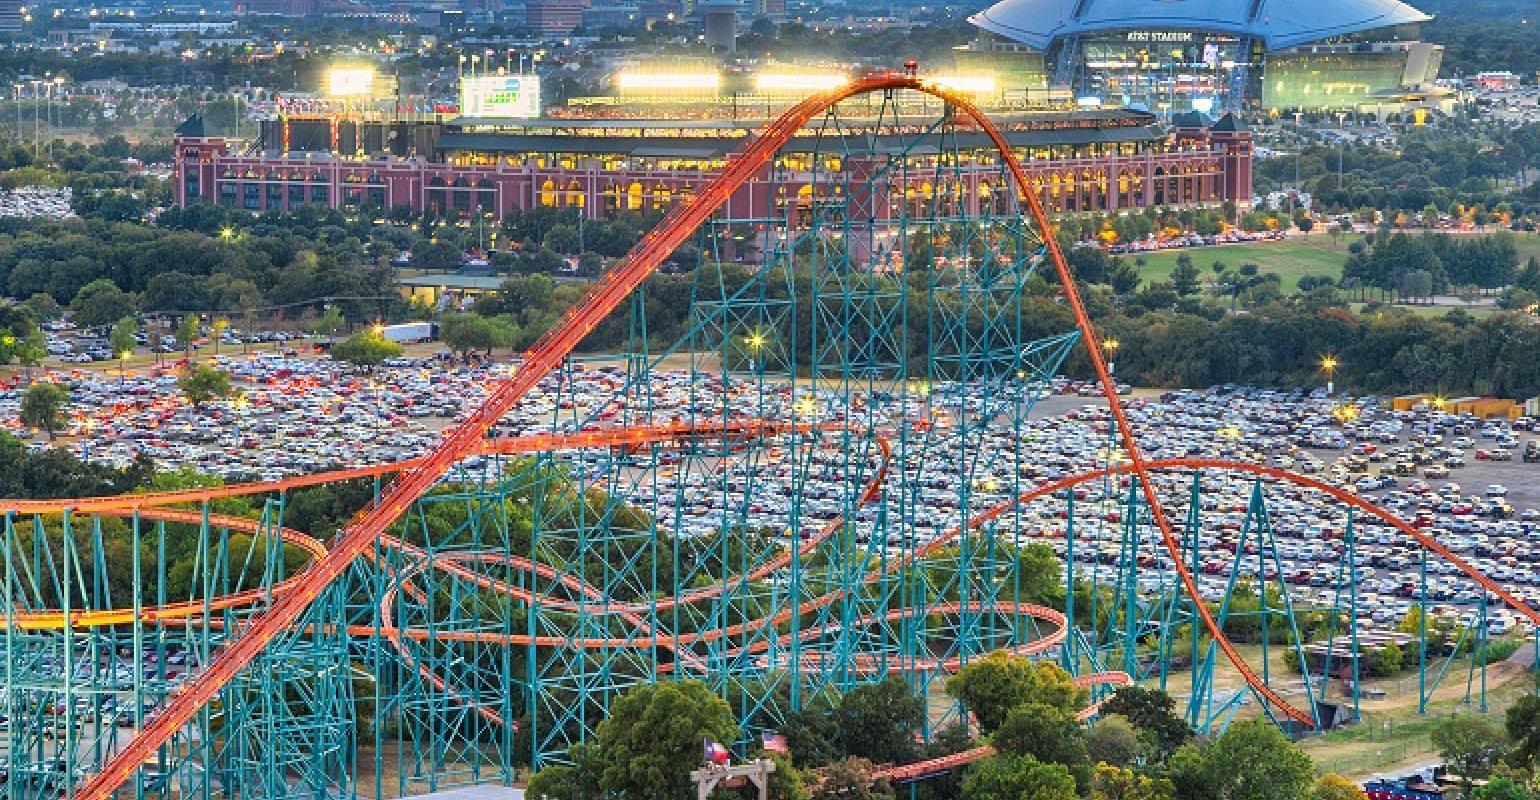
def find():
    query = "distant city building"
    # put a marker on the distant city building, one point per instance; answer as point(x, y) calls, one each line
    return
point(1208, 55)
point(10, 16)
point(719, 20)
point(655, 10)
point(554, 17)
point(612, 14)
point(1496, 81)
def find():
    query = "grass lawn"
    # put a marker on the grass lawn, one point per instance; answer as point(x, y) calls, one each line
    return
point(1292, 259)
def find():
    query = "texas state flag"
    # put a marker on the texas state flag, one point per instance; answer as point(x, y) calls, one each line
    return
point(716, 753)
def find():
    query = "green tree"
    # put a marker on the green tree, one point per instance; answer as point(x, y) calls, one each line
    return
point(32, 348)
point(1470, 745)
point(329, 322)
point(1522, 724)
point(852, 779)
point(43, 406)
point(877, 721)
point(187, 332)
point(1151, 711)
point(1503, 787)
point(366, 349)
point(1188, 770)
point(43, 307)
point(1332, 786)
point(201, 383)
point(577, 781)
point(787, 782)
point(121, 339)
point(652, 738)
point(810, 733)
point(1184, 276)
point(1120, 783)
point(1015, 777)
point(1386, 661)
point(1274, 769)
point(467, 333)
point(99, 302)
point(1113, 741)
point(1050, 735)
point(993, 685)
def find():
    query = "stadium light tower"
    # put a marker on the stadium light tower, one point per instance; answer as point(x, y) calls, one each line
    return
point(1110, 344)
point(1329, 366)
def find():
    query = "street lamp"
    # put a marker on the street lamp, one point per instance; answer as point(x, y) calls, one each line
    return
point(1111, 346)
point(123, 366)
point(1329, 366)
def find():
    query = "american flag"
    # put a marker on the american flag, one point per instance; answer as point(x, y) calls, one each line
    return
point(775, 743)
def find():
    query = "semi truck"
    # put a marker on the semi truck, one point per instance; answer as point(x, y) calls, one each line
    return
point(410, 332)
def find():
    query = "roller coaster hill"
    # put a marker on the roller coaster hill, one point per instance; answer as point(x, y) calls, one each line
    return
point(836, 490)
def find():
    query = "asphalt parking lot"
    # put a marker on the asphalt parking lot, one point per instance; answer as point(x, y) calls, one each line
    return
point(957, 449)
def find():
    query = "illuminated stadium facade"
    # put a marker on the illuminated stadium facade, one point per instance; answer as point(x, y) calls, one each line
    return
point(1173, 56)
point(1082, 161)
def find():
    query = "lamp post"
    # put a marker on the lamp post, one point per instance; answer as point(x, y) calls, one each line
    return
point(1329, 366)
point(1111, 346)
point(1341, 140)
point(123, 367)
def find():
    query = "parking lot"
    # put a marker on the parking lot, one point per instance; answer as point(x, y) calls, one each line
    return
point(299, 415)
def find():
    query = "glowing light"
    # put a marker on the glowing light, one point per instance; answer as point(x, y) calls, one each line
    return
point(349, 81)
point(797, 82)
point(807, 407)
point(227, 233)
point(1111, 346)
point(668, 81)
point(378, 329)
point(1329, 364)
point(972, 84)
point(755, 340)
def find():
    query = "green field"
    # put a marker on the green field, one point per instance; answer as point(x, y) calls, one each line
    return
point(1291, 258)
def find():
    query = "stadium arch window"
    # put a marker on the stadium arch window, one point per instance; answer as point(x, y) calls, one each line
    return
point(662, 196)
point(575, 195)
point(296, 196)
point(318, 177)
point(486, 195)
point(548, 193)
point(634, 196)
point(274, 198)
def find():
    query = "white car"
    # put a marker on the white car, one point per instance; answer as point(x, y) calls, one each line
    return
point(1497, 490)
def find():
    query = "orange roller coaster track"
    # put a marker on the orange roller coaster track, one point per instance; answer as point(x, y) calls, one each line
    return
point(365, 530)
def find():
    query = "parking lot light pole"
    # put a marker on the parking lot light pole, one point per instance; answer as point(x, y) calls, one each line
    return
point(1111, 346)
point(1329, 366)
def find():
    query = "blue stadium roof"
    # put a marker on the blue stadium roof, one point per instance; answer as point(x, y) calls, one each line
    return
point(1279, 23)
